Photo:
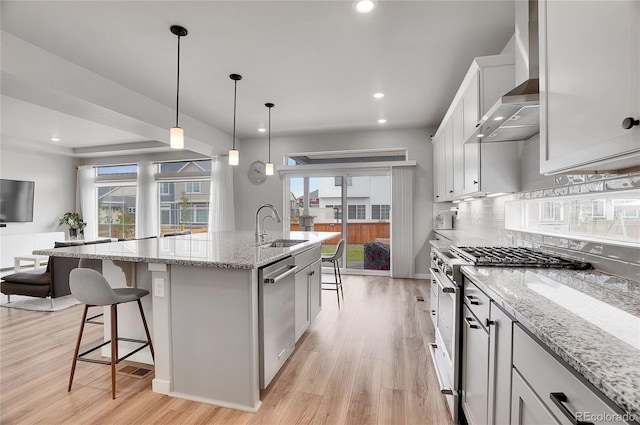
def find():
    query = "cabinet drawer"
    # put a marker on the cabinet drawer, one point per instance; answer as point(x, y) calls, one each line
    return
point(477, 301)
point(546, 375)
point(307, 257)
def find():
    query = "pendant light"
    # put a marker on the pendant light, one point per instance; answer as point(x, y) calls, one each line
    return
point(234, 155)
point(176, 134)
point(268, 168)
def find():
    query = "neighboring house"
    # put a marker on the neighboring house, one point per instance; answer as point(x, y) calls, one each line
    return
point(368, 199)
point(184, 203)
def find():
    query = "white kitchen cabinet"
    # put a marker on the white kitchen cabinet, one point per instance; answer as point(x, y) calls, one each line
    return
point(589, 83)
point(526, 406)
point(486, 359)
point(307, 289)
point(548, 379)
point(315, 289)
point(302, 302)
point(475, 368)
point(438, 168)
point(461, 166)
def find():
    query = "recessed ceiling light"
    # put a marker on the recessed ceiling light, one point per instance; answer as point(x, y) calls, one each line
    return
point(498, 118)
point(382, 121)
point(378, 95)
point(480, 135)
point(262, 130)
point(365, 6)
point(55, 139)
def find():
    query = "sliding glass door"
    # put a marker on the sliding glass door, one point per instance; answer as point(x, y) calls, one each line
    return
point(357, 205)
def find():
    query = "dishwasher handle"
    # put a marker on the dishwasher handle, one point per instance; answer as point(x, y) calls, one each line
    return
point(278, 278)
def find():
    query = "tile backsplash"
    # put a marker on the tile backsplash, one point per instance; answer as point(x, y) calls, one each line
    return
point(484, 219)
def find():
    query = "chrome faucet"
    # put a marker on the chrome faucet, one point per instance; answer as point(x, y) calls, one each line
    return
point(260, 234)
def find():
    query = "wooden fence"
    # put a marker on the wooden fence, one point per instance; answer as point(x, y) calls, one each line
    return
point(357, 233)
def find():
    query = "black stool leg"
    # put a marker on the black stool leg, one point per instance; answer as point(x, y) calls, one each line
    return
point(114, 348)
point(335, 275)
point(75, 353)
point(340, 278)
point(146, 330)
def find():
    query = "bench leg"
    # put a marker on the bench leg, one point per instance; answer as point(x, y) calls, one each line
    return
point(8, 299)
point(51, 300)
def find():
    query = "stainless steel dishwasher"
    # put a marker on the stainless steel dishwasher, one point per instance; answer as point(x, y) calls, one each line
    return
point(276, 297)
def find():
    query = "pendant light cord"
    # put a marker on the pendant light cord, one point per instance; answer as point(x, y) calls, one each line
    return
point(269, 134)
point(178, 84)
point(235, 90)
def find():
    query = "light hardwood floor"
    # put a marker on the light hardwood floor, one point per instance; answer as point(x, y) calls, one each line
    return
point(364, 364)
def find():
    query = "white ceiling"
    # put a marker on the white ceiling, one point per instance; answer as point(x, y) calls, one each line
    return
point(318, 61)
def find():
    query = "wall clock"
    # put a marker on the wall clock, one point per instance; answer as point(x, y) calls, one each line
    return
point(257, 173)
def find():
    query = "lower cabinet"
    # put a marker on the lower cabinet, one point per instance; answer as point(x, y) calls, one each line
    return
point(307, 289)
point(475, 369)
point(545, 391)
point(486, 359)
point(526, 407)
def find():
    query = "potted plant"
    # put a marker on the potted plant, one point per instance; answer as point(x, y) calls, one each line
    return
point(75, 223)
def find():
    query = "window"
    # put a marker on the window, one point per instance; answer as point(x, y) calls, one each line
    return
point(165, 188)
point(380, 212)
point(192, 187)
point(184, 205)
point(357, 212)
point(116, 211)
point(338, 181)
point(114, 170)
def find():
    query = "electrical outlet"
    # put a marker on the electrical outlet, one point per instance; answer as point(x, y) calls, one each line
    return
point(158, 287)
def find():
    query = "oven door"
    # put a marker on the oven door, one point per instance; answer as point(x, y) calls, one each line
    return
point(444, 351)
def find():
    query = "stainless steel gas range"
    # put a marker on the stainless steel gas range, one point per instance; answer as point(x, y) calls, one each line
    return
point(446, 302)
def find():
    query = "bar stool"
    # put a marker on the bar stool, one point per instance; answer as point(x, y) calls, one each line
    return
point(334, 258)
point(92, 289)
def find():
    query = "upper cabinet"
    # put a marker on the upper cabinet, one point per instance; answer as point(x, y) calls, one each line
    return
point(589, 84)
point(463, 167)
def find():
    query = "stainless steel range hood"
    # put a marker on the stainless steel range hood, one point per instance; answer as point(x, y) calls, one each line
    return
point(516, 115)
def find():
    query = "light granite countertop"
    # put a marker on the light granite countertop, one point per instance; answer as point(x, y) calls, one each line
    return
point(234, 249)
point(589, 319)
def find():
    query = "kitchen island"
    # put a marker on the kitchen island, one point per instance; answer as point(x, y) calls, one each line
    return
point(203, 308)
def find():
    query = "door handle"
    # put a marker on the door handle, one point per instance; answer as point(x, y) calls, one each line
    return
point(629, 122)
point(281, 276)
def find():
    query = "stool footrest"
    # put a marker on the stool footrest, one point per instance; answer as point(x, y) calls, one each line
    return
point(138, 341)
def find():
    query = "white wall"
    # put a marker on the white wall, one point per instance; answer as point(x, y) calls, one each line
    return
point(55, 187)
point(249, 197)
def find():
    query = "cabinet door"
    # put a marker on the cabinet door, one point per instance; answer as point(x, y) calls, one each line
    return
point(458, 150)
point(302, 301)
point(500, 366)
point(315, 289)
point(589, 83)
point(448, 160)
point(526, 406)
point(471, 106)
point(439, 183)
point(475, 369)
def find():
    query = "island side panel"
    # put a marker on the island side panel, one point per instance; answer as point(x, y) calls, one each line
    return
point(214, 329)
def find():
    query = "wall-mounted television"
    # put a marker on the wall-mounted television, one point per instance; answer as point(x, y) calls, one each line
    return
point(16, 201)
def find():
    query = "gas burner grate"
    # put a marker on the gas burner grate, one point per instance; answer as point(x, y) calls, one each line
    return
point(515, 257)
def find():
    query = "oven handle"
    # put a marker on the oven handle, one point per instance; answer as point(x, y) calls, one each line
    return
point(447, 391)
point(445, 288)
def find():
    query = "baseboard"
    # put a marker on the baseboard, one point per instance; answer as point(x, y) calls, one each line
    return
point(160, 386)
point(425, 276)
point(217, 402)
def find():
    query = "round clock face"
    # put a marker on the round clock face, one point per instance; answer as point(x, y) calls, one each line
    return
point(257, 173)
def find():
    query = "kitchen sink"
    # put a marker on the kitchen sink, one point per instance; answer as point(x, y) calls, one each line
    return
point(285, 243)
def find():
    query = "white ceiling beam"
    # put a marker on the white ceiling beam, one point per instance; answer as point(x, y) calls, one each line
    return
point(35, 75)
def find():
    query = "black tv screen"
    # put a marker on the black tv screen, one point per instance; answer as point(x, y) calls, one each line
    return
point(16, 201)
